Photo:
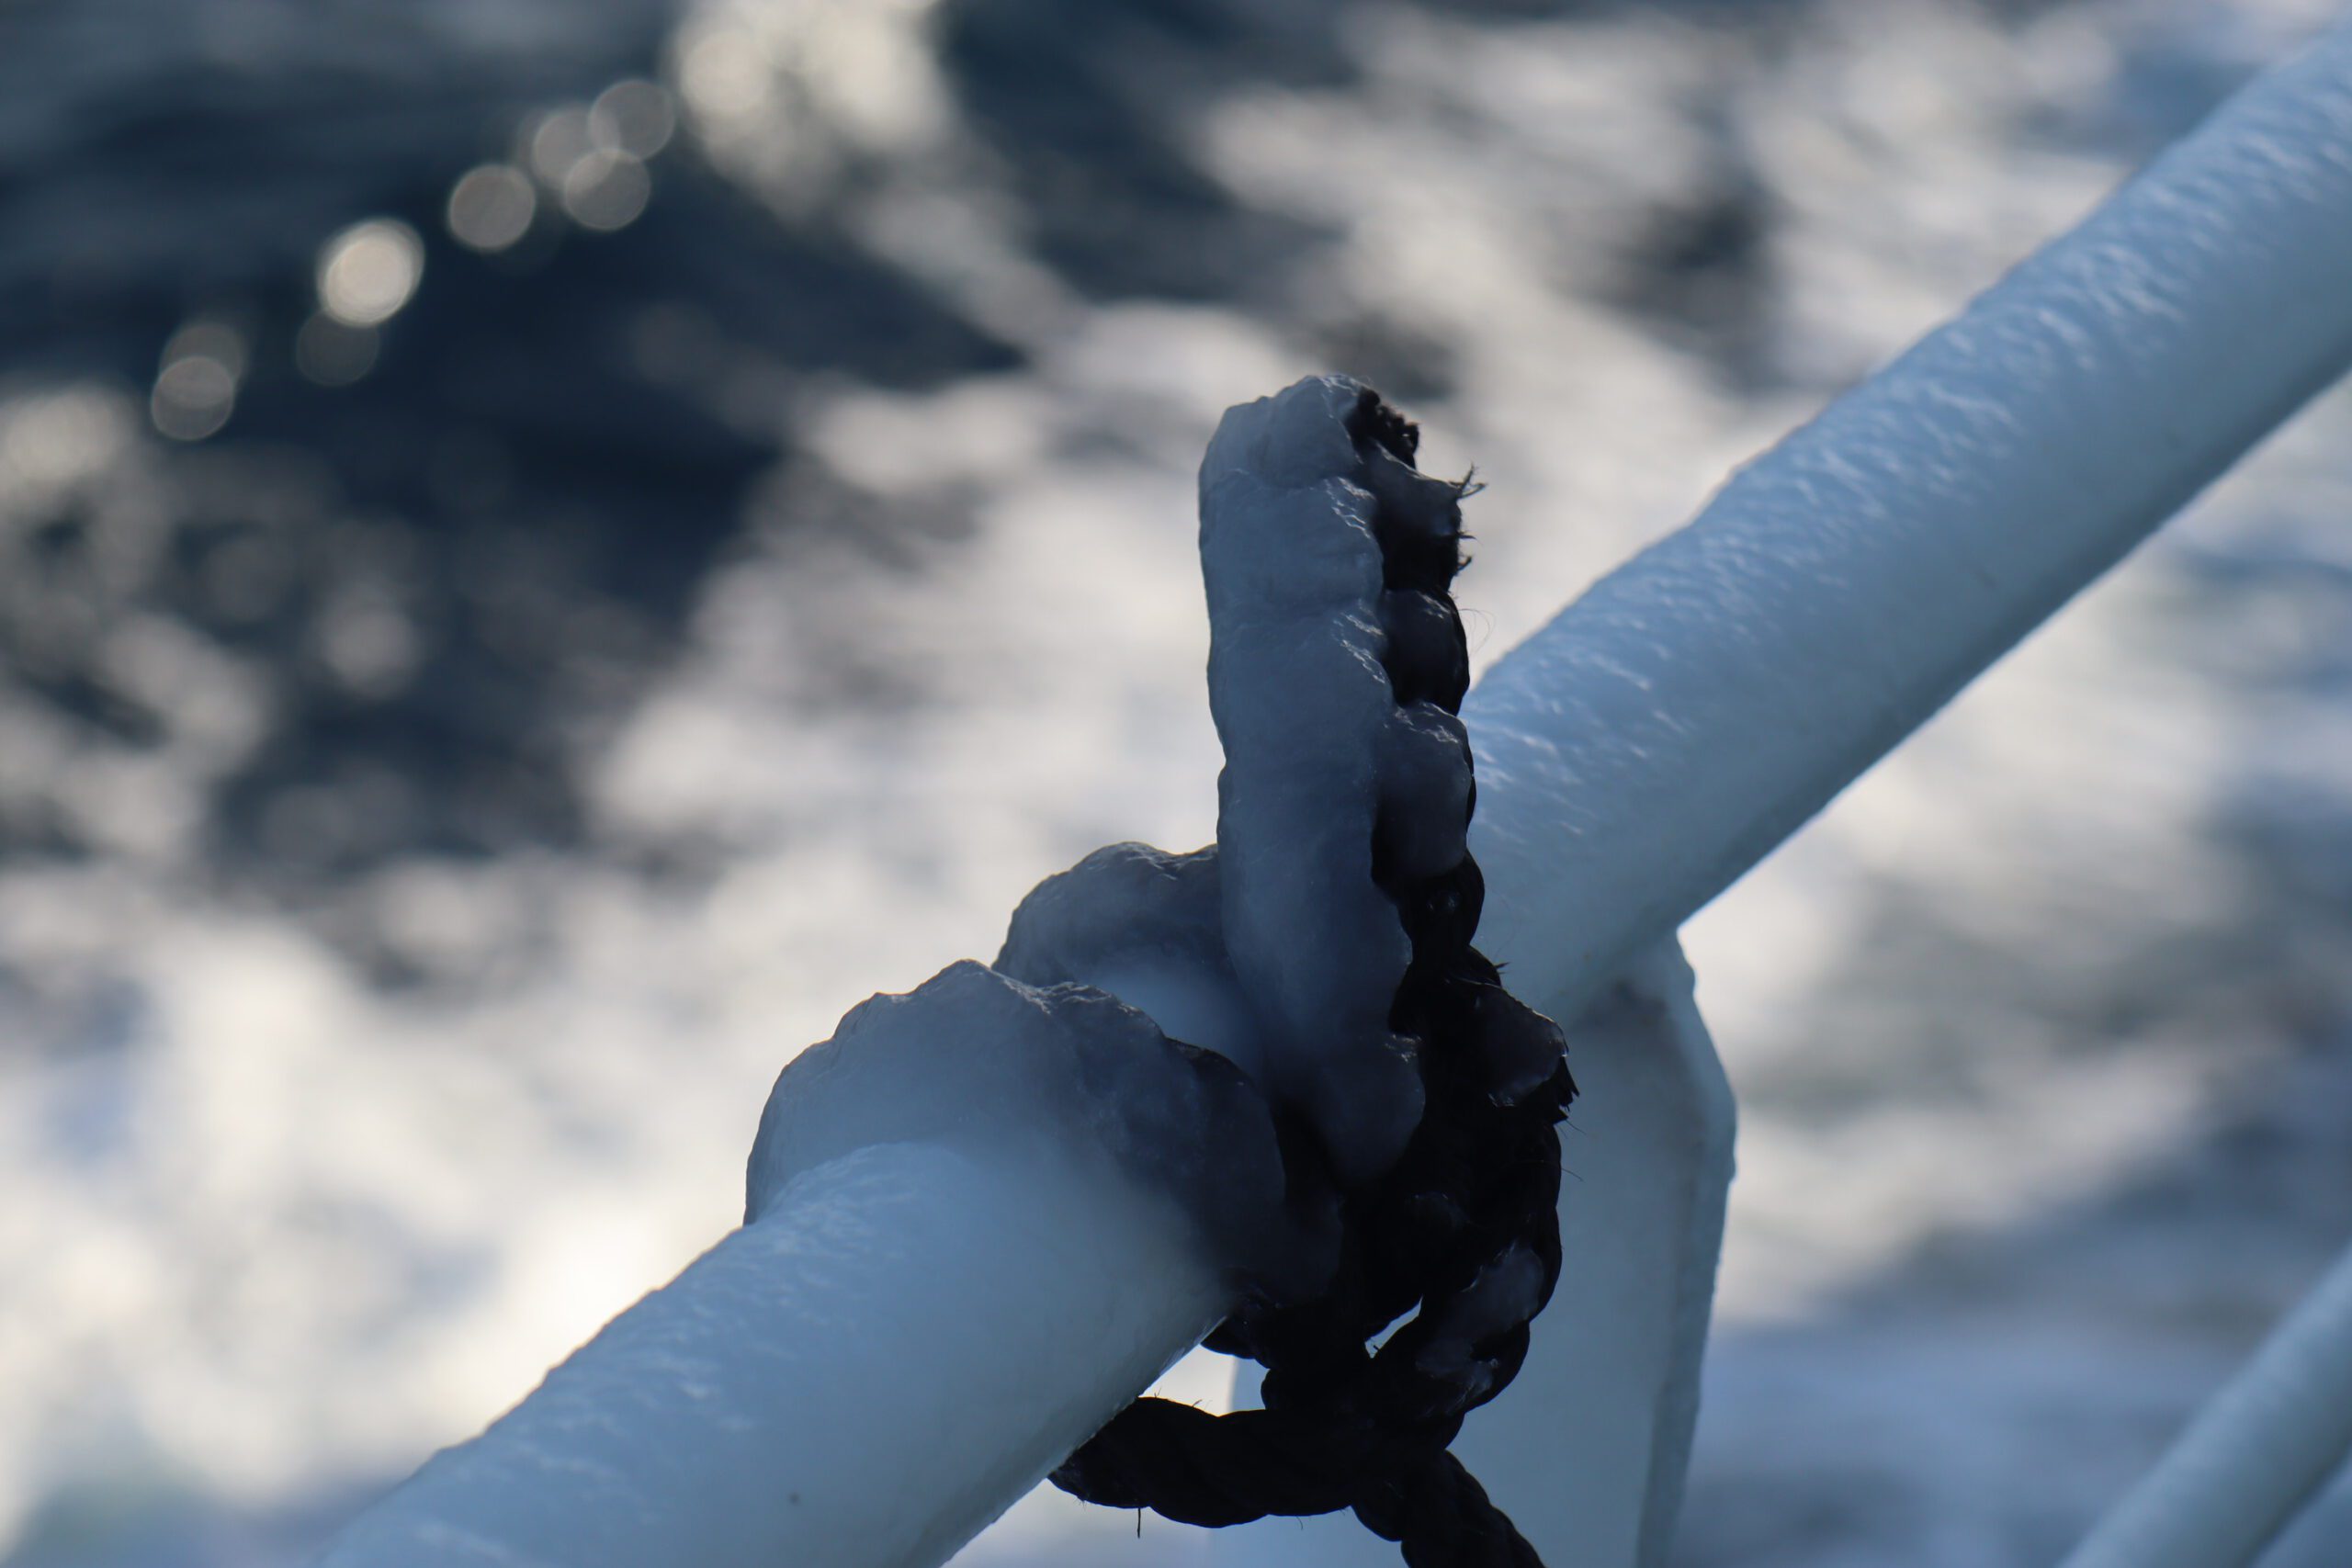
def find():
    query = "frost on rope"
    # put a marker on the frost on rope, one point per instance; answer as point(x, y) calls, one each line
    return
point(1315, 737)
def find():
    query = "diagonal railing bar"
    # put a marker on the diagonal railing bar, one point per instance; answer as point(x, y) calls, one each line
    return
point(1692, 709)
point(2254, 1456)
point(913, 1332)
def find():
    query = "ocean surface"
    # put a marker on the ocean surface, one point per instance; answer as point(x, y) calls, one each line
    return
point(547, 550)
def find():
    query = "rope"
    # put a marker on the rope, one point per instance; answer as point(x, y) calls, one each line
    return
point(1463, 1226)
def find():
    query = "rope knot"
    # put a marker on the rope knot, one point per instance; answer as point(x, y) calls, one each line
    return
point(1458, 1233)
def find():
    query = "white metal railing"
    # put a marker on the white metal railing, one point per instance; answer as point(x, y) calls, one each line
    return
point(2254, 1456)
point(918, 1328)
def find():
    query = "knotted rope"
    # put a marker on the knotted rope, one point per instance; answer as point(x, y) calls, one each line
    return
point(1463, 1226)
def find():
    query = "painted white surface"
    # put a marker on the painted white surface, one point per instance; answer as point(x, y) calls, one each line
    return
point(2253, 1458)
point(1587, 1449)
point(1634, 758)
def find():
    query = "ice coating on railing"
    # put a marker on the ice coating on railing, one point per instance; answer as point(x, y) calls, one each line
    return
point(906, 1341)
point(975, 1060)
point(1146, 926)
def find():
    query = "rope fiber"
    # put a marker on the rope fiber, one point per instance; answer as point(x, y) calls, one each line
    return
point(1462, 1232)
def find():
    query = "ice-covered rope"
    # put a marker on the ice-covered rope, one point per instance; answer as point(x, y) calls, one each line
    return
point(1412, 1088)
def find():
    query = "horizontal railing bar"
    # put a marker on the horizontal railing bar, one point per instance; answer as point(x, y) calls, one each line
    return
point(899, 1349)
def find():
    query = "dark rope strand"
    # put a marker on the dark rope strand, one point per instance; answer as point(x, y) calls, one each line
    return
point(1463, 1227)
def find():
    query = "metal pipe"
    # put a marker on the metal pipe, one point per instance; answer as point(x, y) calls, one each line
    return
point(906, 1342)
point(2253, 1457)
point(1671, 726)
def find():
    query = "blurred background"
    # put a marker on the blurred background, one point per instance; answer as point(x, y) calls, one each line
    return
point(549, 549)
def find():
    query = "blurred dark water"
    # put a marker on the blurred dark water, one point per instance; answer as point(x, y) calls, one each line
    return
point(501, 523)
point(527, 484)
point(442, 583)
point(553, 443)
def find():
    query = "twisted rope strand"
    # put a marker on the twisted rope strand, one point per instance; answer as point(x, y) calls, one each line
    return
point(1463, 1226)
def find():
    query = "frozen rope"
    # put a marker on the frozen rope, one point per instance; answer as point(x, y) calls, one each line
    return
point(1461, 1230)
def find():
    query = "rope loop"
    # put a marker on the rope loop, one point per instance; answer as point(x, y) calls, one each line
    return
point(1461, 1231)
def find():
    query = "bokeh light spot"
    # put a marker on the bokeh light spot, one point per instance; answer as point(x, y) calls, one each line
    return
point(367, 272)
point(212, 340)
point(633, 117)
point(196, 391)
point(193, 397)
point(557, 141)
point(723, 74)
point(54, 440)
point(606, 190)
point(368, 644)
point(492, 207)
